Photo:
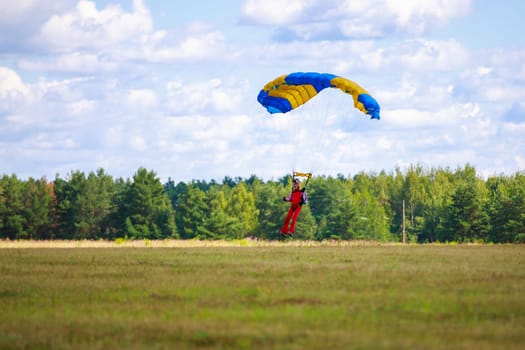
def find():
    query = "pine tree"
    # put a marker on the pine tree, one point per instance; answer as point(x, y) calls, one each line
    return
point(14, 222)
point(466, 217)
point(192, 211)
point(149, 209)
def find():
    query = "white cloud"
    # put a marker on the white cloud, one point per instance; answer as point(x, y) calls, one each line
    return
point(48, 142)
point(86, 39)
point(514, 129)
point(141, 98)
point(329, 19)
point(24, 11)
point(195, 97)
point(274, 12)
point(416, 16)
point(12, 89)
point(520, 161)
point(113, 136)
point(81, 107)
point(88, 28)
point(498, 81)
point(420, 55)
point(337, 57)
point(196, 46)
point(447, 117)
point(22, 18)
point(77, 62)
point(138, 143)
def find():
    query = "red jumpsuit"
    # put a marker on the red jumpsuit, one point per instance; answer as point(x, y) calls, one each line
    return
point(297, 198)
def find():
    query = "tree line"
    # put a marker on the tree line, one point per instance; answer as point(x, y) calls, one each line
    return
point(441, 205)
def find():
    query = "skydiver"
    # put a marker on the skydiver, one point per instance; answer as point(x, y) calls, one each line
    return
point(297, 199)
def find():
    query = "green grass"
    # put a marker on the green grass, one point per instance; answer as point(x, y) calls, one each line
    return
point(264, 297)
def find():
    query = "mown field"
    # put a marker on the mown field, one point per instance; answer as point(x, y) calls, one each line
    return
point(245, 295)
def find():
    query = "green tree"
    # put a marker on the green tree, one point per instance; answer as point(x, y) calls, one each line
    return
point(438, 198)
point(192, 211)
point(13, 218)
point(341, 221)
point(117, 221)
point(325, 198)
point(395, 201)
point(241, 205)
point(516, 225)
point(39, 205)
point(414, 194)
point(149, 210)
point(93, 206)
point(382, 190)
point(85, 205)
point(369, 220)
point(270, 207)
point(466, 217)
point(218, 223)
point(507, 208)
point(175, 192)
point(3, 207)
point(68, 214)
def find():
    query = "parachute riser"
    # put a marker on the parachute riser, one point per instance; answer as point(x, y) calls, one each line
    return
point(308, 176)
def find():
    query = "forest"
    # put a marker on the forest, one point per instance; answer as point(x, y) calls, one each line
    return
point(440, 205)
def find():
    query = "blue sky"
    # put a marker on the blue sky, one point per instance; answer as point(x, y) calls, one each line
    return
point(172, 86)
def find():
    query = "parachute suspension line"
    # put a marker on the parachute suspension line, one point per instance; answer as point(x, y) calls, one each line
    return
point(328, 143)
point(302, 140)
point(319, 143)
point(295, 139)
point(312, 121)
point(295, 123)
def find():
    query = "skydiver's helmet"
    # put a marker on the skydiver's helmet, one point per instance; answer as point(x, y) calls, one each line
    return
point(296, 181)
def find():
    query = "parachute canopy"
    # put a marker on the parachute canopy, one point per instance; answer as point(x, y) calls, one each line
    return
point(290, 91)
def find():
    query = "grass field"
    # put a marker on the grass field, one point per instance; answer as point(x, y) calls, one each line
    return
point(246, 295)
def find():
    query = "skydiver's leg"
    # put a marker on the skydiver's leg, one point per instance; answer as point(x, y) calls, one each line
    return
point(284, 228)
point(294, 219)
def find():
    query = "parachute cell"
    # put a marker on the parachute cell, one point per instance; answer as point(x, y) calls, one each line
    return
point(290, 91)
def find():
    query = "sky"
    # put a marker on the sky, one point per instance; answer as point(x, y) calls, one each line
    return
point(172, 86)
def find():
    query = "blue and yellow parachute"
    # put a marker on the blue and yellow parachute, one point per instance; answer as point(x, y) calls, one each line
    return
point(290, 91)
